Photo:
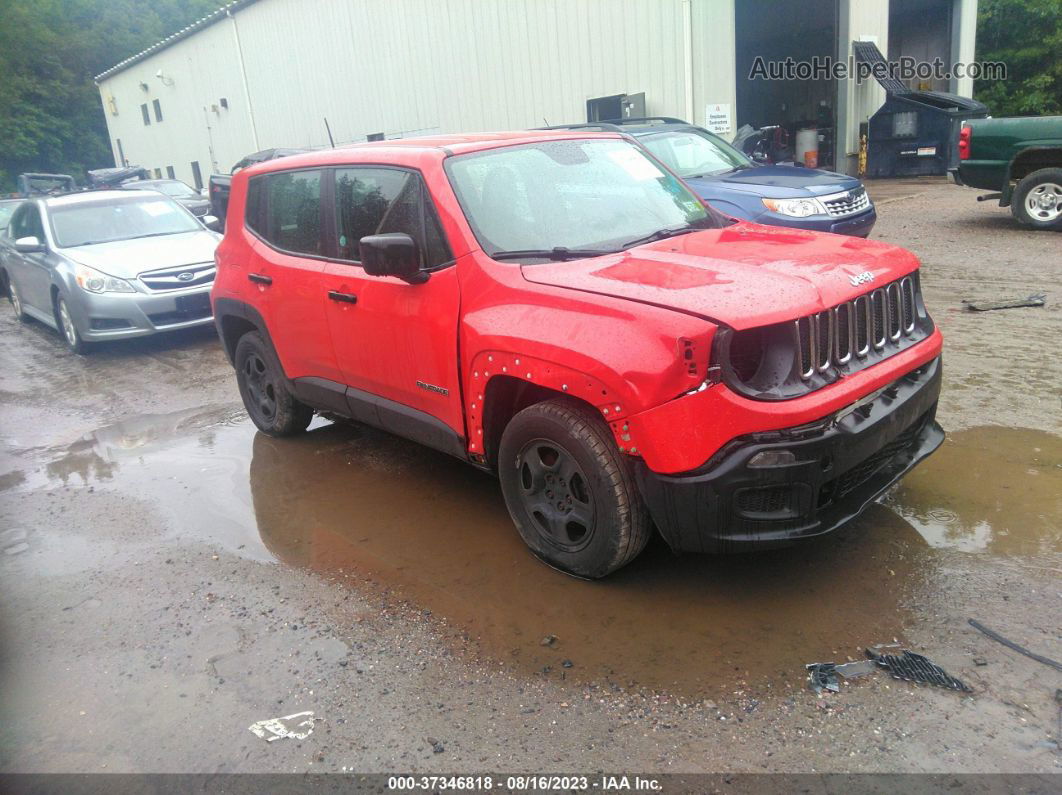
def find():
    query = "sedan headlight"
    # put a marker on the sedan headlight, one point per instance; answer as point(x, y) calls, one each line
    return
point(797, 208)
point(95, 282)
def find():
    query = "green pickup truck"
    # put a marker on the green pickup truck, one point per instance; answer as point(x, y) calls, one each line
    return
point(1021, 160)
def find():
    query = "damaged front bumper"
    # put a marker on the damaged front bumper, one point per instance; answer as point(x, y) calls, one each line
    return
point(805, 481)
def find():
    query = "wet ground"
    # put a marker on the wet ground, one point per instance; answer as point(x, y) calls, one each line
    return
point(170, 576)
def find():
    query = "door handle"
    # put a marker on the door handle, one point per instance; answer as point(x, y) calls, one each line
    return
point(346, 298)
point(258, 278)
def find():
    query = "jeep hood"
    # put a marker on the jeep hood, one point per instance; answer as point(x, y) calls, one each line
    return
point(744, 275)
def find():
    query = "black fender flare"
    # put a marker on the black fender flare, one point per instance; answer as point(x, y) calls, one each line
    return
point(230, 307)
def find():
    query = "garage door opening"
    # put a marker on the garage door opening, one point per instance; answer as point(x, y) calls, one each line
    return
point(775, 30)
point(921, 29)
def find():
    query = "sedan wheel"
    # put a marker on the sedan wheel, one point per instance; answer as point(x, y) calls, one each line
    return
point(69, 330)
point(16, 302)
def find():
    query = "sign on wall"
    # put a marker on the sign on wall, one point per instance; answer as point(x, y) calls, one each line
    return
point(717, 118)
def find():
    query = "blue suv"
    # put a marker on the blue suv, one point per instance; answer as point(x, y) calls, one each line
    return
point(793, 196)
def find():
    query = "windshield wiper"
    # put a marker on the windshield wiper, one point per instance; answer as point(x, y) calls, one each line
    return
point(156, 234)
point(659, 234)
point(555, 254)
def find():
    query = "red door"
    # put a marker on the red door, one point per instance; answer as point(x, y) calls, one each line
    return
point(393, 339)
point(286, 271)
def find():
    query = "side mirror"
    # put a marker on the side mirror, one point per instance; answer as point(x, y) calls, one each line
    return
point(211, 222)
point(29, 245)
point(394, 254)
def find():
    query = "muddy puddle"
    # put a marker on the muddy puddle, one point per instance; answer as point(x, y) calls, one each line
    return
point(349, 501)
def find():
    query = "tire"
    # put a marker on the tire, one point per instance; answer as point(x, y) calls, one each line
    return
point(569, 491)
point(264, 389)
point(1037, 201)
point(67, 330)
point(16, 302)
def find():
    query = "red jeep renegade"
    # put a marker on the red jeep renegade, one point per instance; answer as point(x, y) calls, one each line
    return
point(559, 308)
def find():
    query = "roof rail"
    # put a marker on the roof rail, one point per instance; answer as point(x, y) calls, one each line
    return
point(648, 120)
point(592, 125)
point(615, 125)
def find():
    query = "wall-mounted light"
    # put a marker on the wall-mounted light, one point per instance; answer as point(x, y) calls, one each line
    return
point(112, 105)
point(144, 87)
point(166, 81)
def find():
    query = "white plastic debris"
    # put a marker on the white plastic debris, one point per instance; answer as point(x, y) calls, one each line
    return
point(298, 727)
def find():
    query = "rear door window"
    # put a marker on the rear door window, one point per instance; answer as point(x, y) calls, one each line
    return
point(376, 201)
point(284, 209)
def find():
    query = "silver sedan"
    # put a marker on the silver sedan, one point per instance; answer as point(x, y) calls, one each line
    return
point(103, 265)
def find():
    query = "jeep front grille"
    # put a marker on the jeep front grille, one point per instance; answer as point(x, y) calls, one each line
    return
point(872, 322)
point(179, 278)
point(849, 202)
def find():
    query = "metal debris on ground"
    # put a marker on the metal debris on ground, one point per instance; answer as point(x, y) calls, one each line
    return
point(1036, 299)
point(1012, 645)
point(298, 727)
point(436, 746)
point(853, 669)
point(912, 667)
point(823, 676)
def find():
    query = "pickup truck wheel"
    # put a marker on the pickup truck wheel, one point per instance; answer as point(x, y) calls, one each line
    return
point(569, 491)
point(264, 389)
point(1037, 200)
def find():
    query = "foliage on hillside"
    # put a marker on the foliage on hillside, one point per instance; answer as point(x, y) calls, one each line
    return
point(1026, 35)
point(51, 118)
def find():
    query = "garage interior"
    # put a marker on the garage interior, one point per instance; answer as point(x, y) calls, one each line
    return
point(776, 30)
point(921, 29)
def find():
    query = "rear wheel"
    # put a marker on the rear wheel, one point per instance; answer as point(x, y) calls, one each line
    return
point(1037, 201)
point(569, 491)
point(264, 389)
point(67, 328)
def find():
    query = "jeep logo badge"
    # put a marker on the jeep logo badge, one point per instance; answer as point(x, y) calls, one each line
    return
point(861, 278)
point(187, 276)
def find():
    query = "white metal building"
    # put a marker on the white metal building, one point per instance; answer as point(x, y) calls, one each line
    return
point(258, 74)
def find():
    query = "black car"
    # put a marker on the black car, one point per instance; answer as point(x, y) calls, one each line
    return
point(221, 183)
point(7, 208)
point(180, 192)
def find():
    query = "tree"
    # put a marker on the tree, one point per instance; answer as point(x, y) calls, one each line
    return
point(51, 118)
point(1026, 35)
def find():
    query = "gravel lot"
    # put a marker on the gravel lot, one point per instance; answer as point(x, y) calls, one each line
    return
point(169, 577)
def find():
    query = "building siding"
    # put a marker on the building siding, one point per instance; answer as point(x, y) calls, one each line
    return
point(409, 67)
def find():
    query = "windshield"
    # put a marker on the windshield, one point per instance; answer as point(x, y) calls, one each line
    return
point(84, 224)
point(583, 197)
point(691, 153)
point(175, 189)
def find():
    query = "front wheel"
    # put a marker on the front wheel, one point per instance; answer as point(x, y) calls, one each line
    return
point(264, 389)
point(570, 491)
point(16, 302)
point(67, 328)
point(1037, 201)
